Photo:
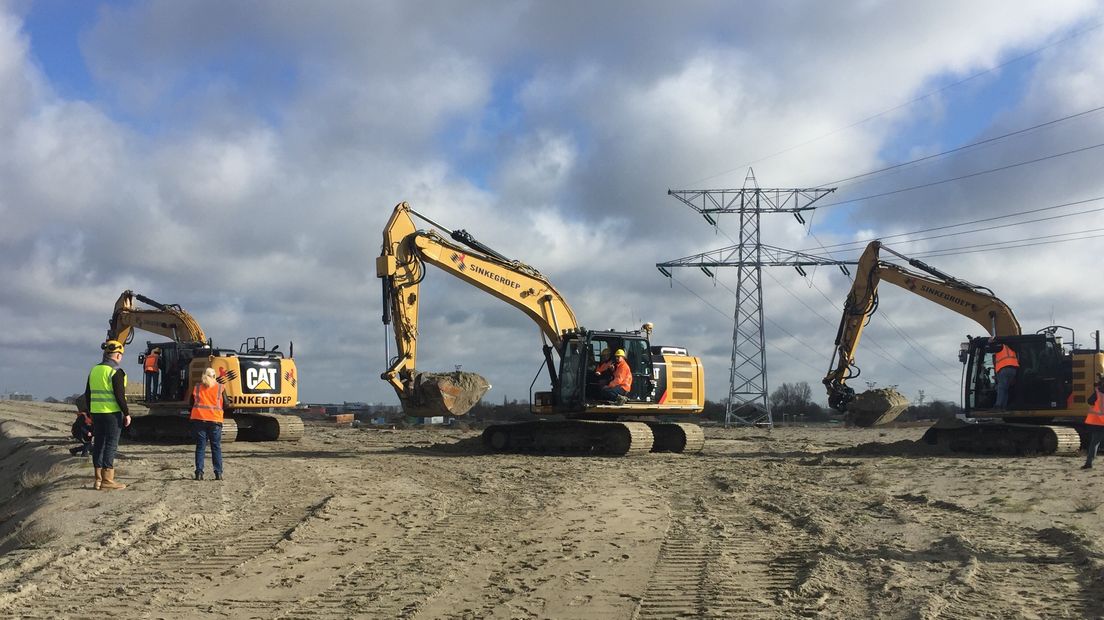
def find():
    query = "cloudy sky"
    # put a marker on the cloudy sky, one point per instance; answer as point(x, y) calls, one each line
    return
point(241, 157)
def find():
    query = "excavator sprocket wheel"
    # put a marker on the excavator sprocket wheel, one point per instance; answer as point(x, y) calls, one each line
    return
point(681, 438)
point(268, 427)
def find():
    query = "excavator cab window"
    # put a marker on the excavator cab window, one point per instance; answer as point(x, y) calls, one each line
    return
point(594, 348)
point(573, 369)
point(640, 362)
point(981, 382)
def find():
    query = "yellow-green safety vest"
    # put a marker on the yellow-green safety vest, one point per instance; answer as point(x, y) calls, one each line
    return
point(103, 394)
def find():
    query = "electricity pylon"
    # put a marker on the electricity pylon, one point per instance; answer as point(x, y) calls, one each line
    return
point(747, 402)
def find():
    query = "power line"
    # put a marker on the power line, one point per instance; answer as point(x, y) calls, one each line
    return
point(965, 176)
point(843, 246)
point(977, 249)
point(961, 148)
point(926, 95)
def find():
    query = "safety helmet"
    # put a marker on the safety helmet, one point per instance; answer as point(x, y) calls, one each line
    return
point(619, 353)
point(210, 372)
point(157, 350)
point(112, 346)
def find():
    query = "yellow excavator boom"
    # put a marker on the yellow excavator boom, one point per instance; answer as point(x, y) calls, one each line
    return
point(401, 267)
point(170, 321)
point(969, 300)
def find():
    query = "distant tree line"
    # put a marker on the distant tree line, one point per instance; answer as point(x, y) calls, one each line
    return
point(795, 399)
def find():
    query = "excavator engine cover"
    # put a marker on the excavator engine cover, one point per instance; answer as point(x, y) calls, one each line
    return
point(876, 407)
point(450, 393)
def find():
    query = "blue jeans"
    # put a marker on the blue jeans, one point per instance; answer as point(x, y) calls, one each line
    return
point(1095, 437)
point(205, 432)
point(153, 385)
point(105, 438)
point(1005, 376)
point(611, 394)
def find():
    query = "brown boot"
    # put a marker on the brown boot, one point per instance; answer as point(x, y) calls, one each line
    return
point(99, 478)
point(109, 483)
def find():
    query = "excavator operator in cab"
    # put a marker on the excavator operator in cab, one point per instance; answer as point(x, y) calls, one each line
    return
point(601, 375)
point(618, 388)
point(153, 374)
point(1006, 363)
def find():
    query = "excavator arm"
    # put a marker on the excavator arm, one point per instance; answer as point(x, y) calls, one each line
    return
point(969, 300)
point(401, 267)
point(168, 320)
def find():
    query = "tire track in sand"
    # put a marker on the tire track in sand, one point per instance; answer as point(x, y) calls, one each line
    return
point(408, 573)
point(723, 557)
point(1002, 570)
point(157, 561)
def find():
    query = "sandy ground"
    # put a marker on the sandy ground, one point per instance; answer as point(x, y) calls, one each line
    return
point(354, 523)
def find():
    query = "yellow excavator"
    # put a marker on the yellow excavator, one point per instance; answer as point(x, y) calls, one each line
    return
point(666, 381)
point(1047, 401)
point(257, 380)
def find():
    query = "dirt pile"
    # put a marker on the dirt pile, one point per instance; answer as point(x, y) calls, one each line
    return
point(876, 407)
point(449, 393)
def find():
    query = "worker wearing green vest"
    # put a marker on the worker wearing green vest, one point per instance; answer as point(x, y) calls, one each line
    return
point(105, 394)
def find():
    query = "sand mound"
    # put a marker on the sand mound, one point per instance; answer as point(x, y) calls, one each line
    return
point(896, 448)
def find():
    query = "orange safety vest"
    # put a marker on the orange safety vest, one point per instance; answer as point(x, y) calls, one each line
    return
point(208, 403)
point(603, 367)
point(1096, 413)
point(622, 376)
point(1005, 357)
point(151, 362)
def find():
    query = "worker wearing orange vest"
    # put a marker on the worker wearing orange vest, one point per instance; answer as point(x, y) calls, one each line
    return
point(153, 374)
point(207, 404)
point(1095, 422)
point(1006, 363)
point(621, 384)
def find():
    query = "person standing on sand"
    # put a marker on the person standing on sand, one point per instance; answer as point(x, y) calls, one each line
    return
point(105, 393)
point(207, 404)
point(1095, 422)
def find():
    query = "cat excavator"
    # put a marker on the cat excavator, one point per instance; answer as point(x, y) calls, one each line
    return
point(1047, 401)
point(257, 380)
point(666, 381)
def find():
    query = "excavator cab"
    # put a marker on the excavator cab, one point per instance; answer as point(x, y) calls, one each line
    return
point(1041, 381)
point(578, 386)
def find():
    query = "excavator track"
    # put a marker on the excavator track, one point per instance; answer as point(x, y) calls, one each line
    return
point(680, 438)
point(1005, 439)
point(578, 437)
point(268, 427)
point(172, 427)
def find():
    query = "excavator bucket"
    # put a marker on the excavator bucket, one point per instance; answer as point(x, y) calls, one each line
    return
point(451, 393)
point(876, 407)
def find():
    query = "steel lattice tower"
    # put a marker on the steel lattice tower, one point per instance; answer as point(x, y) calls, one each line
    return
point(747, 402)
